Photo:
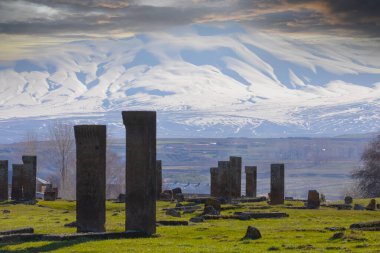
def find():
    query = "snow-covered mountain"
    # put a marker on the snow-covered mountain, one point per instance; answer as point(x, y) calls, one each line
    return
point(203, 81)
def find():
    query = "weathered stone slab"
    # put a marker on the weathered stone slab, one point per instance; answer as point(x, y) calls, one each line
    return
point(3, 180)
point(17, 178)
point(252, 200)
point(49, 196)
point(91, 177)
point(214, 183)
point(238, 216)
point(172, 223)
point(250, 181)
point(367, 226)
point(158, 178)
point(255, 215)
point(29, 177)
point(69, 237)
point(277, 193)
point(225, 190)
point(140, 170)
point(313, 201)
point(235, 176)
point(17, 231)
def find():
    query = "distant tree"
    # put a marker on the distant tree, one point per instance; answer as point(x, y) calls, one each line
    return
point(368, 175)
point(62, 140)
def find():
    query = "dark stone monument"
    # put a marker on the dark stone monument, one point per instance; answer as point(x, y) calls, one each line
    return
point(29, 177)
point(159, 178)
point(17, 178)
point(250, 181)
point(277, 193)
point(3, 180)
point(235, 176)
point(313, 201)
point(214, 183)
point(140, 171)
point(224, 180)
point(348, 200)
point(91, 177)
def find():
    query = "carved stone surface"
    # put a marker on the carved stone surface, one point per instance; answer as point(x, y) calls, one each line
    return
point(214, 183)
point(277, 193)
point(224, 180)
point(313, 200)
point(235, 176)
point(17, 178)
point(140, 170)
point(91, 177)
point(29, 177)
point(3, 180)
point(250, 181)
point(159, 178)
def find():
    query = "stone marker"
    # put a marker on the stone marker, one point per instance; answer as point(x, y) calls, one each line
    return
point(17, 178)
point(277, 184)
point(140, 170)
point(313, 201)
point(371, 205)
point(348, 200)
point(3, 180)
point(235, 176)
point(29, 177)
point(91, 177)
point(252, 233)
point(214, 183)
point(250, 181)
point(224, 180)
point(159, 178)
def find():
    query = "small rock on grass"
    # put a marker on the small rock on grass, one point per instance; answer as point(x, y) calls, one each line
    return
point(252, 233)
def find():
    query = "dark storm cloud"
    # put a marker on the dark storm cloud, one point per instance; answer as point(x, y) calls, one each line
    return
point(353, 17)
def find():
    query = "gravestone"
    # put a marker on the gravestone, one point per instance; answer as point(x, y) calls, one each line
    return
point(250, 181)
point(159, 178)
point(3, 180)
point(277, 193)
point(348, 200)
point(313, 201)
point(225, 180)
point(235, 176)
point(91, 177)
point(17, 178)
point(214, 183)
point(140, 170)
point(29, 177)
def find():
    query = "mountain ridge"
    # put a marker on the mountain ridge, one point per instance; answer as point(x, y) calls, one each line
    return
point(202, 83)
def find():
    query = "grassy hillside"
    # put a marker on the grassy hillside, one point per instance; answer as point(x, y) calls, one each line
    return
point(302, 231)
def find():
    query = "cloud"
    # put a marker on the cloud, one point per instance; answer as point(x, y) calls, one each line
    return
point(65, 17)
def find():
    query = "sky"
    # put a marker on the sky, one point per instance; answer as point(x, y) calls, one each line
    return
point(26, 25)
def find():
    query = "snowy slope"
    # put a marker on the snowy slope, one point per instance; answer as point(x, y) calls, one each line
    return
point(203, 81)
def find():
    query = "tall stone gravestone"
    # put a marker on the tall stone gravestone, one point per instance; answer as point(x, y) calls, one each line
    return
point(214, 182)
point(277, 193)
point(91, 177)
point(3, 180)
point(235, 176)
point(17, 181)
point(250, 181)
point(224, 180)
point(140, 171)
point(29, 177)
point(159, 178)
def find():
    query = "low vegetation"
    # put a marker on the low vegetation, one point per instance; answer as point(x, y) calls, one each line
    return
point(302, 231)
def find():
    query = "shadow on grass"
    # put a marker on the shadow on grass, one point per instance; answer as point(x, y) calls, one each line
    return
point(44, 248)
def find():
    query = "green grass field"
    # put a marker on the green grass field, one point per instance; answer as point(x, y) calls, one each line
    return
point(302, 231)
